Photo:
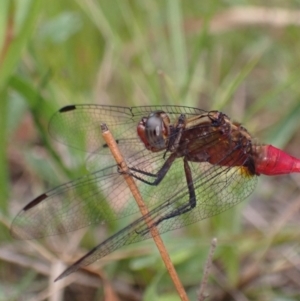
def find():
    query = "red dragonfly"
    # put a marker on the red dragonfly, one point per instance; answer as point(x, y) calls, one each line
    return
point(196, 163)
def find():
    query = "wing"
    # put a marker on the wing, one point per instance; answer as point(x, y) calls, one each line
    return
point(217, 189)
point(79, 125)
point(92, 199)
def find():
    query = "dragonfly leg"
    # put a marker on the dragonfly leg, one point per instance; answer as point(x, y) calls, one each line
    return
point(184, 208)
point(190, 183)
point(159, 175)
point(178, 211)
point(192, 197)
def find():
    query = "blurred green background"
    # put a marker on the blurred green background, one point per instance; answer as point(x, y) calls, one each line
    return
point(235, 56)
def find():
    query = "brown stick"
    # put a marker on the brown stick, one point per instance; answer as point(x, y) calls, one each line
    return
point(109, 139)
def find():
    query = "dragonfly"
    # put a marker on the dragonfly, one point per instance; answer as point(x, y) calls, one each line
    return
point(189, 164)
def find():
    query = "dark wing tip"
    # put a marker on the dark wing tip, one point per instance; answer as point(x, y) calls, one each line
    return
point(77, 265)
point(66, 272)
point(58, 278)
point(20, 228)
point(35, 201)
point(67, 108)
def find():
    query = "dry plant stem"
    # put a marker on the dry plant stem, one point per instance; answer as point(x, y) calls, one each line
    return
point(109, 139)
point(201, 295)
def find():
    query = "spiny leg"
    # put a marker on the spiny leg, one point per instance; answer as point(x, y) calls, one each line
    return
point(184, 208)
point(159, 175)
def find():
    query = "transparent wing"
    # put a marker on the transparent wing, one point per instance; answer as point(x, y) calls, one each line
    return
point(92, 199)
point(79, 125)
point(102, 195)
point(217, 188)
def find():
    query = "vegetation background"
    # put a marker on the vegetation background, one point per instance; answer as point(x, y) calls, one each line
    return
point(236, 56)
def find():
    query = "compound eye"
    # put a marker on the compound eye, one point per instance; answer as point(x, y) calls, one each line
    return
point(154, 129)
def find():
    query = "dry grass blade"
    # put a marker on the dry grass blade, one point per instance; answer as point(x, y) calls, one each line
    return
point(237, 17)
point(202, 295)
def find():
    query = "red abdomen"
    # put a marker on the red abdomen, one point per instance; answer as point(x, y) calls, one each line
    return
point(273, 161)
